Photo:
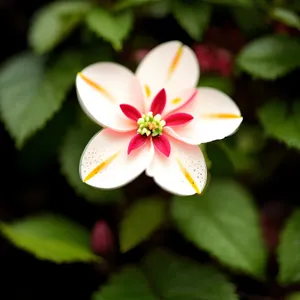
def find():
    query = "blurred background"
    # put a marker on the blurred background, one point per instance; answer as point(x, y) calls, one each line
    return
point(61, 238)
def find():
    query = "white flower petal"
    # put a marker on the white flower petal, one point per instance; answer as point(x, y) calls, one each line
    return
point(183, 173)
point(172, 66)
point(102, 87)
point(216, 116)
point(105, 163)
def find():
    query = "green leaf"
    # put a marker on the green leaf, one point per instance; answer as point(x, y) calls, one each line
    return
point(163, 275)
point(280, 124)
point(30, 94)
point(22, 112)
point(114, 28)
point(54, 22)
point(243, 3)
point(286, 16)
point(192, 280)
point(141, 220)
point(50, 237)
point(71, 150)
point(223, 84)
point(294, 296)
point(289, 251)
point(250, 139)
point(250, 20)
point(193, 17)
point(123, 4)
point(241, 161)
point(295, 5)
point(221, 165)
point(225, 223)
point(238, 153)
point(50, 137)
point(270, 57)
point(158, 9)
point(129, 284)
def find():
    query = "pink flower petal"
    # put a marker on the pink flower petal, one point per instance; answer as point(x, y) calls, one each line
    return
point(136, 142)
point(170, 65)
point(216, 116)
point(130, 112)
point(105, 163)
point(176, 104)
point(183, 172)
point(178, 119)
point(100, 99)
point(159, 102)
point(162, 144)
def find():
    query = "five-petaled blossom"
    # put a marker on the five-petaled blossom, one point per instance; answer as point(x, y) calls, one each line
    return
point(153, 121)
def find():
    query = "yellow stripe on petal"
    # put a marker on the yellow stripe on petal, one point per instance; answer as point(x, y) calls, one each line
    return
point(99, 168)
point(175, 61)
point(97, 86)
point(176, 100)
point(188, 176)
point(147, 90)
point(221, 116)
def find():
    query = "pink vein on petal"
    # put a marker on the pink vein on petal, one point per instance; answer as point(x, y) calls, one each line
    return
point(188, 101)
point(130, 112)
point(162, 144)
point(177, 119)
point(136, 142)
point(159, 102)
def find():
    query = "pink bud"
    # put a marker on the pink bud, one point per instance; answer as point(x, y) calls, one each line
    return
point(102, 241)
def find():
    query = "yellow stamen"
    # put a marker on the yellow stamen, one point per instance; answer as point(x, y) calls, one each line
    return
point(221, 116)
point(188, 176)
point(176, 100)
point(97, 86)
point(175, 61)
point(99, 168)
point(147, 91)
point(152, 126)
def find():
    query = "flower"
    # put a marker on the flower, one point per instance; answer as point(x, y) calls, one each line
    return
point(153, 121)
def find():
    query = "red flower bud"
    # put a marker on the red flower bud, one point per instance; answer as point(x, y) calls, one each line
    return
point(102, 241)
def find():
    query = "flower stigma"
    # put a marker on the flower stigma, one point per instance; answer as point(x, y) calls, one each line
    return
point(150, 125)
